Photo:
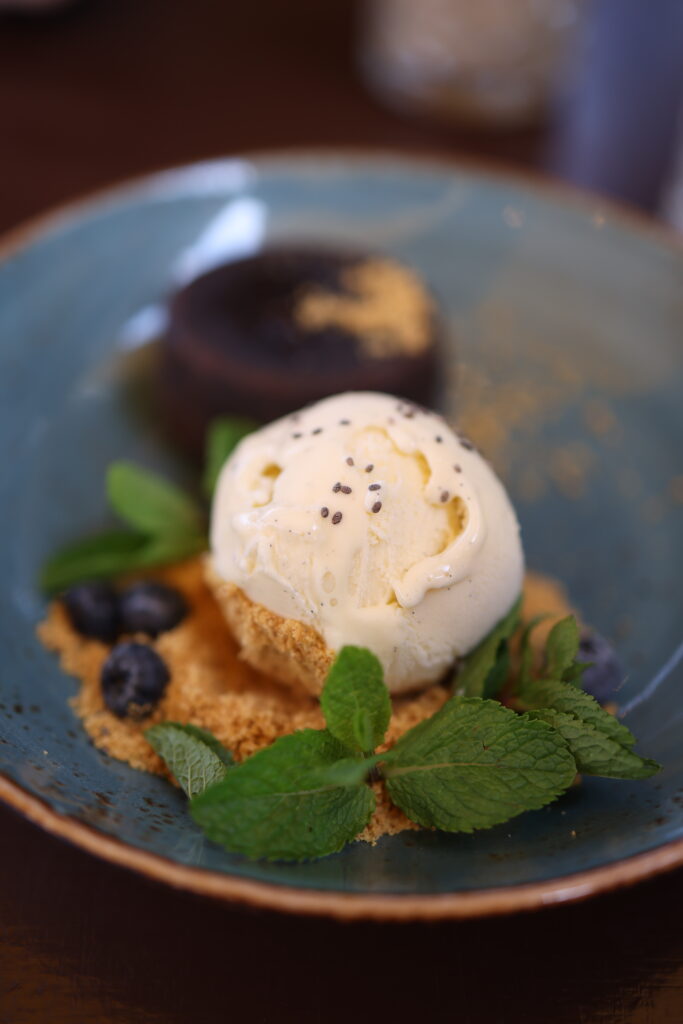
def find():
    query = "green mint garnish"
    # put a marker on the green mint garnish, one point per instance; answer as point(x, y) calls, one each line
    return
point(167, 526)
point(561, 647)
point(291, 801)
point(91, 558)
point(207, 738)
point(475, 764)
point(483, 672)
point(355, 701)
point(563, 697)
point(574, 673)
point(112, 553)
point(526, 653)
point(594, 752)
point(222, 437)
point(194, 756)
point(150, 504)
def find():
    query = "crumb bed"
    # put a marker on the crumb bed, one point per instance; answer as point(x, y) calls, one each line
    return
point(211, 687)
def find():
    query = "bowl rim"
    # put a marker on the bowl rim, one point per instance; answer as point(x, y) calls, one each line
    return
point(316, 902)
point(60, 214)
point(339, 905)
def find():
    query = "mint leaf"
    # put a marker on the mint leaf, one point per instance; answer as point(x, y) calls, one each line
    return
point(91, 558)
point(564, 697)
point(151, 504)
point(194, 756)
point(475, 764)
point(168, 528)
point(111, 554)
point(355, 701)
point(349, 771)
point(574, 673)
point(291, 801)
point(561, 647)
point(594, 752)
point(483, 671)
point(208, 739)
point(163, 550)
point(499, 673)
point(222, 437)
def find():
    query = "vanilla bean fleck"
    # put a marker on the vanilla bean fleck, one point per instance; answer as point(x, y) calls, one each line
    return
point(345, 489)
point(457, 468)
point(296, 436)
point(374, 487)
point(377, 506)
point(337, 488)
point(349, 461)
point(324, 511)
point(369, 468)
point(336, 518)
point(318, 430)
point(445, 495)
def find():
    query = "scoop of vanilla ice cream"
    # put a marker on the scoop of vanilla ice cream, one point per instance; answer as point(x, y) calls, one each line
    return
point(371, 521)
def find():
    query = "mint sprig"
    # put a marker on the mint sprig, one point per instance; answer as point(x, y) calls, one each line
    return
point(222, 437)
point(355, 701)
point(113, 553)
point(561, 647)
point(483, 672)
point(165, 524)
point(526, 652)
point(599, 743)
point(151, 505)
point(292, 801)
point(194, 756)
point(594, 752)
point(563, 697)
point(474, 764)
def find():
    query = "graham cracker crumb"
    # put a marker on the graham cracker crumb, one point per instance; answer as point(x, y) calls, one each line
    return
point(212, 687)
point(387, 820)
point(289, 651)
point(387, 309)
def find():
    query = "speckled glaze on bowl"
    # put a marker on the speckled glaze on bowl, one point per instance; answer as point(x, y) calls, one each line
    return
point(528, 278)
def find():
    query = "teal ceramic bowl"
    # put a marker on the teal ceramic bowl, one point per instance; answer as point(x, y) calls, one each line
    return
point(568, 320)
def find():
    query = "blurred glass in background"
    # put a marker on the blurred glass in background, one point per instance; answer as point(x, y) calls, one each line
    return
point(491, 63)
point(605, 75)
point(617, 123)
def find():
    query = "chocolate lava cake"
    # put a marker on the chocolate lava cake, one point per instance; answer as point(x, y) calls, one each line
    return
point(265, 335)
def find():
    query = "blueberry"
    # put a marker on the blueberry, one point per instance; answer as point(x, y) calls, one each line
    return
point(151, 608)
point(133, 678)
point(605, 675)
point(93, 609)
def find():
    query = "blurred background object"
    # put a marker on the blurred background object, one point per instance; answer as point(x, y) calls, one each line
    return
point(493, 63)
point(619, 109)
point(93, 91)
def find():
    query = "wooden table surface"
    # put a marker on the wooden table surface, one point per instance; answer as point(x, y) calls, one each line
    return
point(114, 88)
